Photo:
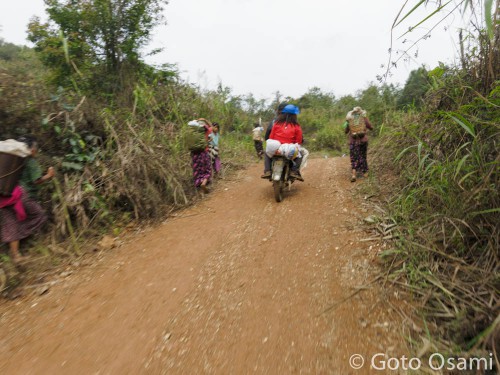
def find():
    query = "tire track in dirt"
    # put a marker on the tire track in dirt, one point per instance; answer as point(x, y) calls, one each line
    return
point(244, 295)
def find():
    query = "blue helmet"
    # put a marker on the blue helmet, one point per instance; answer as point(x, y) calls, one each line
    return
point(291, 109)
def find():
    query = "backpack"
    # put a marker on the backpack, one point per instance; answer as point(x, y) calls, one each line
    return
point(357, 126)
point(195, 138)
point(257, 133)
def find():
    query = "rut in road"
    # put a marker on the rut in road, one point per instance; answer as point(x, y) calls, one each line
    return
point(235, 284)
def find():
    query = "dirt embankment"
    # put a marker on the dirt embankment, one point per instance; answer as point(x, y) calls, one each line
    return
point(236, 284)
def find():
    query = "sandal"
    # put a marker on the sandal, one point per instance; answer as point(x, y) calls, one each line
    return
point(266, 175)
point(204, 187)
point(353, 178)
point(296, 175)
point(20, 262)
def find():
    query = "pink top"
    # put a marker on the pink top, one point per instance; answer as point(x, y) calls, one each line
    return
point(15, 200)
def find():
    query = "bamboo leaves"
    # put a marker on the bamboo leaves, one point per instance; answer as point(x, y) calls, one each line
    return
point(490, 16)
point(466, 125)
point(489, 24)
point(407, 14)
point(411, 28)
point(488, 4)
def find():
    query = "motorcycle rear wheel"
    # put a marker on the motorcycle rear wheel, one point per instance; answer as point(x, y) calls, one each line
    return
point(278, 190)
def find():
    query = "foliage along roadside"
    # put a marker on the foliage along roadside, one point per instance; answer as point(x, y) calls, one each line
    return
point(121, 156)
point(447, 205)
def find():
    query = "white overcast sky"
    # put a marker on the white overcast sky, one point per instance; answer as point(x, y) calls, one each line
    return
point(264, 46)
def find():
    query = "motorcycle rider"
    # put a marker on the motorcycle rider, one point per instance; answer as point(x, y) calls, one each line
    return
point(286, 129)
point(271, 123)
point(267, 159)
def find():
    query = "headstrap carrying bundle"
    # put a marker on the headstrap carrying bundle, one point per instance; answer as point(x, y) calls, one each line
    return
point(16, 148)
point(203, 121)
point(195, 136)
point(12, 158)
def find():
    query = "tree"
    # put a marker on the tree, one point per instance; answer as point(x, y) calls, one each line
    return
point(316, 98)
point(371, 100)
point(390, 94)
point(95, 39)
point(9, 51)
point(345, 104)
point(415, 88)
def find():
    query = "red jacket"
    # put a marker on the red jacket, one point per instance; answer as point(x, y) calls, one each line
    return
point(286, 133)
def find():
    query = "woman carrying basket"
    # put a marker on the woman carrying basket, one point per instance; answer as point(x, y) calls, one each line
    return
point(20, 214)
point(357, 125)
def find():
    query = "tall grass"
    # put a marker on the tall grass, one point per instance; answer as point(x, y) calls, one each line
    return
point(117, 160)
point(448, 207)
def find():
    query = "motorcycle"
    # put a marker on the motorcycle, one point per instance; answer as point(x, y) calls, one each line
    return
point(280, 176)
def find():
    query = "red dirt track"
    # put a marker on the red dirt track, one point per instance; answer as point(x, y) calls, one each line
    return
point(236, 284)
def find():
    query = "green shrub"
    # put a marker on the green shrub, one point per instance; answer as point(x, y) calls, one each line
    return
point(330, 138)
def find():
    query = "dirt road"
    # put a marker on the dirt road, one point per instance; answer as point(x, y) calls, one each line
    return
point(236, 284)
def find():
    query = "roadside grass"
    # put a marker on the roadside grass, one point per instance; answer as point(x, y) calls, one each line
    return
point(445, 202)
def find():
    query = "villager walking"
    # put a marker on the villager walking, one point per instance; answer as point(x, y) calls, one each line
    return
point(357, 125)
point(213, 145)
point(20, 214)
point(197, 141)
point(258, 139)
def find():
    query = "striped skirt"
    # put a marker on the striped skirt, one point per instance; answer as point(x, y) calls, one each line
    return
point(14, 230)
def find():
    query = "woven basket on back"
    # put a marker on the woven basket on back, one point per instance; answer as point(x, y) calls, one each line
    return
point(11, 167)
point(357, 126)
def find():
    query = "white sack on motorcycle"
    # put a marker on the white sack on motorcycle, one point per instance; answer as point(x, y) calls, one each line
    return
point(288, 150)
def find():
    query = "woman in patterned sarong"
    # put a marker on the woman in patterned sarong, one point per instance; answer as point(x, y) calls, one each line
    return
point(201, 161)
point(358, 143)
point(20, 214)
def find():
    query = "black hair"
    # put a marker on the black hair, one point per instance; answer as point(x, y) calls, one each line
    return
point(29, 139)
point(287, 117)
point(281, 106)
